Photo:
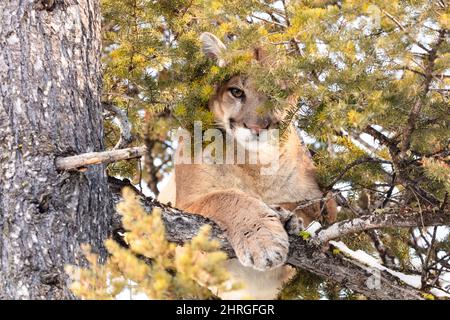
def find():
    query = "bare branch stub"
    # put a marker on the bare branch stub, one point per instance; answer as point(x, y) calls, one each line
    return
point(91, 158)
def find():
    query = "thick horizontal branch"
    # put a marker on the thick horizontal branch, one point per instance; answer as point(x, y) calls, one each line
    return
point(388, 220)
point(85, 159)
point(182, 227)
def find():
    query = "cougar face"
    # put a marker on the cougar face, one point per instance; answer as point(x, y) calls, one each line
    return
point(255, 216)
point(237, 105)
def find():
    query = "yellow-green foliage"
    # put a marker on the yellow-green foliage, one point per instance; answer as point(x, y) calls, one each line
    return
point(156, 267)
point(303, 286)
point(438, 171)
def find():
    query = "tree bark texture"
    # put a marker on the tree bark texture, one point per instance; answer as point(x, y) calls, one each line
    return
point(50, 85)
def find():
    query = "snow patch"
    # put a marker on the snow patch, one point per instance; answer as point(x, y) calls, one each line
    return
point(368, 260)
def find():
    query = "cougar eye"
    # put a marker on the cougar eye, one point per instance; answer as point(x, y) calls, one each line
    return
point(237, 93)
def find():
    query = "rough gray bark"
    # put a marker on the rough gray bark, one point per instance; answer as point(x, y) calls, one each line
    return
point(49, 106)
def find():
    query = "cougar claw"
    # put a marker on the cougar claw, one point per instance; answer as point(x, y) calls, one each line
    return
point(292, 223)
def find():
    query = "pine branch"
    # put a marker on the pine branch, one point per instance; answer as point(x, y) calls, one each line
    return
point(402, 28)
point(399, 162)
point(269, 21)
point(391, 144)
point(375, 235)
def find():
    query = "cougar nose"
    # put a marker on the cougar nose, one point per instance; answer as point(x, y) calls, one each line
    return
point(256, 128)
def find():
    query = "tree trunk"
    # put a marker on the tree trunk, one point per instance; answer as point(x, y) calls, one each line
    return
point(49, 106)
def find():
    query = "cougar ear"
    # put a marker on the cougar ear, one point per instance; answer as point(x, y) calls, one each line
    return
point(260, 55)
point(213, 47)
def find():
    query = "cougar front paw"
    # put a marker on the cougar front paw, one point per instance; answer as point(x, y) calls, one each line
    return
point(264, 245)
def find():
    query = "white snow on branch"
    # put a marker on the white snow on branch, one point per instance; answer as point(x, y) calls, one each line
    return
point(373, 263)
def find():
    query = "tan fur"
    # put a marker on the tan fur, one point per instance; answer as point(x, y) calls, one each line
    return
point(241, 200)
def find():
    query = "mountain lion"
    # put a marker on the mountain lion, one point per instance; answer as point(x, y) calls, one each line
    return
point(249, 206)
